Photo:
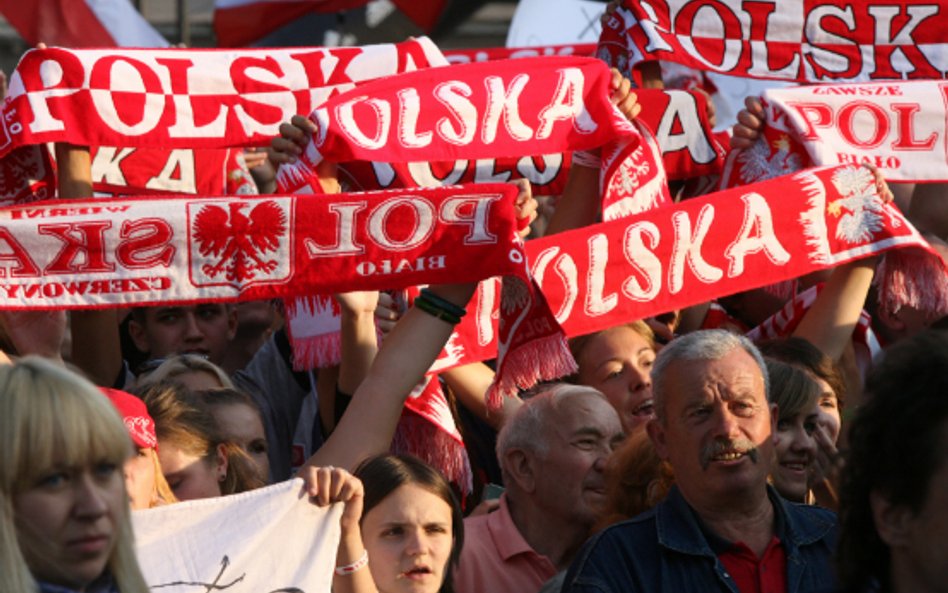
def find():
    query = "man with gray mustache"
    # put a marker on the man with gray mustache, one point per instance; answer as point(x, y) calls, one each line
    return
point(722, 527)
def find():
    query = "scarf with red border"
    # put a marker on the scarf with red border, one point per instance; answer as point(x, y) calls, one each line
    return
point(898, 127)
point(699, 250)
point(176, 98)
point(94, 253)
point(807, 41)
point(679, 121)
point(157, 137)
point(680, 255)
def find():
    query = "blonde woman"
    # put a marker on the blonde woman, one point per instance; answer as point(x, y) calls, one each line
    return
point(64, 514)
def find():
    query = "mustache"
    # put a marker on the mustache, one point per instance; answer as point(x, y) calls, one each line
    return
point(715, 448)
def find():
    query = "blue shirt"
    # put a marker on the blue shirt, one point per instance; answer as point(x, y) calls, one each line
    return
point(666, 549)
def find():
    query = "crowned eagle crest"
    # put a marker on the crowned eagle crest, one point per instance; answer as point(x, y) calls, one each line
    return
point(240, 243)
point(860, 211)
point(760, 163)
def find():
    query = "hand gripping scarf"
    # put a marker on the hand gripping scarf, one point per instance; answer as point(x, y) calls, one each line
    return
point(803, 40)
point(503, 108)
point(898, 127)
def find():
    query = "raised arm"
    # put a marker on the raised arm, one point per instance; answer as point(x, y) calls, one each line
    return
point(96, 348)
point(830, 321)
point(407, 353)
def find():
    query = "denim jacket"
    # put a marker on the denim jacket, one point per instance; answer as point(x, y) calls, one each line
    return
point(665, 549)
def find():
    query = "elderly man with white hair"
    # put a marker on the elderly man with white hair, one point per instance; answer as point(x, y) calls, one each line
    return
point(552, 453)
point(721, 528)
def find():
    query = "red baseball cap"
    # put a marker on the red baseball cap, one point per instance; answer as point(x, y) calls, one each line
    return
point(140, 425)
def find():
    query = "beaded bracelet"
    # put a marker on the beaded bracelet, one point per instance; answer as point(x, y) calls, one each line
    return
point(435, 311)
point(359, 564)
point(441, 303)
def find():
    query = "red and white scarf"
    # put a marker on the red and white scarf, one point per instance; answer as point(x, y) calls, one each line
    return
point(807, 41)
point(142, 251)
point(506, 108)
point(175, 98)
point(898, 127)
point(487, 54)
point(679, 120)
point(701, 249)
point(503, 109)
point(89, 254)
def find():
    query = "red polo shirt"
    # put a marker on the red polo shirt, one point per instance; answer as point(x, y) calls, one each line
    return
point(767, 574)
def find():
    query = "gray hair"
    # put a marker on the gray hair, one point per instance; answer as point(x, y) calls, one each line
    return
point(527, 429)
point(711, 344)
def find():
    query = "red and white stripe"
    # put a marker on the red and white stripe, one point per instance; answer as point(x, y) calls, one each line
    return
point(241, 22)
point(81, 23)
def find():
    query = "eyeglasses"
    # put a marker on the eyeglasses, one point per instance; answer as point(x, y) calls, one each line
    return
point(153, 363)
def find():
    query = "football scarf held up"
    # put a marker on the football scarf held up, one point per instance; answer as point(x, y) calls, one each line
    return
point(678, 119)
point(507, 108)
point(802, 40)
point(147, 251)
point(185, 98)
point(898, 127)
point(701, 249)
point(698, 250)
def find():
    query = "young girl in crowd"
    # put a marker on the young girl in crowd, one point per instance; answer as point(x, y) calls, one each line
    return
point(64, 514)
point(401, 521)
point(196, 459)
point(796, 395)
point(618, 361)
point(241, 423)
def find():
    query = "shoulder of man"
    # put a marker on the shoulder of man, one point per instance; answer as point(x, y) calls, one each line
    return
point(621, 558)
point(807, 524)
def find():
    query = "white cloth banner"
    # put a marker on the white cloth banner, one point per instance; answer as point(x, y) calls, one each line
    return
point(264, 541)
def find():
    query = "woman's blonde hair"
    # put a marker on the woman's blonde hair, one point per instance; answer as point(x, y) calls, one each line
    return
point(51, 417)
point(180, 364)
point(163, 494)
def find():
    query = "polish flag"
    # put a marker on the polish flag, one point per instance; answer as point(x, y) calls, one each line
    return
point(241, 22)
point(424, 14)
point(81, 23)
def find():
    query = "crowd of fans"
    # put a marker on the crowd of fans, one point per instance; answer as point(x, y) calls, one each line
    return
point(682, 456)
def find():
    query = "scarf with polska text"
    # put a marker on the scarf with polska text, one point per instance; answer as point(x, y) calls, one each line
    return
point(680, 255)
point(468, 112)
point(802, 40)
point(504, 108)
point(679, 121)
point(698, 250)
point(184, 98)
point(898, 127)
